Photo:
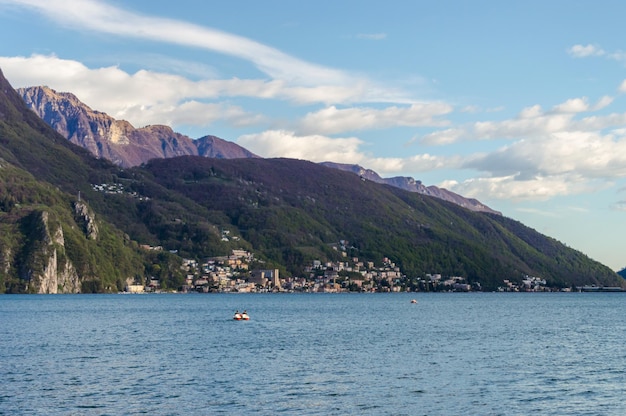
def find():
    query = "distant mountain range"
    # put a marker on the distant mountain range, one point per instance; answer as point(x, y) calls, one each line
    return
point(412, 185)
point(71, 222)
point(126, 146)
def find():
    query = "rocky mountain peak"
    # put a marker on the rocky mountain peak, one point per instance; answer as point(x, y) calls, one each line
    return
point(117, 140)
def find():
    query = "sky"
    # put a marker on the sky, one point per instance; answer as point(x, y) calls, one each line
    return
point(521, 105)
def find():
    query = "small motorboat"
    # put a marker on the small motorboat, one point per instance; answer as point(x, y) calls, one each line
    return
point(238, 316)
point(245, 316)
point(413, 301)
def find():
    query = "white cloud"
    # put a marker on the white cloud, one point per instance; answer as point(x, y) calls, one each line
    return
point(443, 137)
point(619, 56)
point(583, 51)
point(531, 112)
point(326, 94)
point(553, 153)
point(533, 122)
point(563, 163)
point(142, 98)
point(316, 148)
point(512, 187)
point(319, 148)
point(573, 105)
point(332, 120)
point(190, 113)
point(520, 127)
point(603, 102)
point(581, 105)
point(307, 82)
point(415, 163)
point(113, 90)
point(584, 153)
point(97, 16)
point(470, 109)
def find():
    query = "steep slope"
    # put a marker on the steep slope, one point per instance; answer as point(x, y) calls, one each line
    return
point(51, 240)
point(117, 140)
point(294, 211)
point(412, 185)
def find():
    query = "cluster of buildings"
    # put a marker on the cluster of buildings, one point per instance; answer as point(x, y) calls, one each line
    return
point(529, 284)
point(235, 273)
point(351, 275)
point(436, 283)
point(227, 274)
point(116, 188)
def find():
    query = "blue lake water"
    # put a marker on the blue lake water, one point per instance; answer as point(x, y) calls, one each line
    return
point(314, 354)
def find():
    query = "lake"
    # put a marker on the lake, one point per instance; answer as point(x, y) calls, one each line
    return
point(314, 354)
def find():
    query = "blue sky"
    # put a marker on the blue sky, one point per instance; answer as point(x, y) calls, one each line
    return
point(518, 104)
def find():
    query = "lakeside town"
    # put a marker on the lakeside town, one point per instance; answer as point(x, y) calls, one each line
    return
point(234, 273)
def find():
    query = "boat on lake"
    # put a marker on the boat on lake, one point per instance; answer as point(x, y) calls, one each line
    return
point(241, 316)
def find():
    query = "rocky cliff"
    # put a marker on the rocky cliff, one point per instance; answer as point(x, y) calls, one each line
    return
point(47, 269)
point(83, 216)
point(117, 140)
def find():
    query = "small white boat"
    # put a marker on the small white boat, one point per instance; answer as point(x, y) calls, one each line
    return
point(413, 301)
point(238, 316)
point(245, 316)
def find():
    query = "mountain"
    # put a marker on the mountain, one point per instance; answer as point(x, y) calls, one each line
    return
point(117, 140)
point(51, 239)
point(412, 185)
point(71, 222)
point(293, 211)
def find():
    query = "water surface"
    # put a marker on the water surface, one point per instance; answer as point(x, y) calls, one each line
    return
point(313, 354)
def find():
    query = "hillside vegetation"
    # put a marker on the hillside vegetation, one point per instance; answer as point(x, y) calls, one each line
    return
point(44, 246)
point(287, 212)
point(293, 212)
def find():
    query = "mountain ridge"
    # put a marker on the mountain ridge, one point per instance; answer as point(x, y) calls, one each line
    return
point(412, 185)
point(119, 142)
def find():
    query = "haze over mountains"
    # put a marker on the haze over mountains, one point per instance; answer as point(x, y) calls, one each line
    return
point(63, 231)
point(126, 146)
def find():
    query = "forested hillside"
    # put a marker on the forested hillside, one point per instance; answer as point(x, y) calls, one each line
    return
point(74, 223)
